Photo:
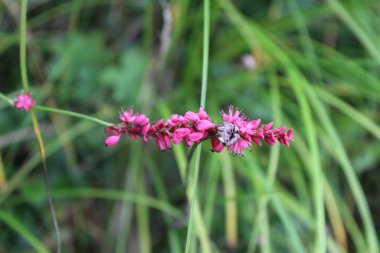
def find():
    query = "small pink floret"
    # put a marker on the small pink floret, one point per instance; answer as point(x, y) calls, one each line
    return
point(203, 125)
point(268, 126)
point(111, 140)
point(127, 116)
point(167, 142)
point(24, 101)
point(216, 145)
point(196, 136)
point(181, 132)
point(202, 114)
point(253, 124)
point(161, 144)
point(192, 116)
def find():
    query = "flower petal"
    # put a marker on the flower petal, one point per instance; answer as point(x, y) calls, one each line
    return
point(111, 140)
point(192, 116)
point(216, 145)
point(203, 125)
point(196, 136)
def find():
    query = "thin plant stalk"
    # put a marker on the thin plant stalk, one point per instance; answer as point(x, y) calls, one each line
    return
point(62, 112)
point(72, 114)
point(36, 129)
point(206, 35)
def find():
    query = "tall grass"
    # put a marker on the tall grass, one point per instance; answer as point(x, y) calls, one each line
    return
point(312, 67)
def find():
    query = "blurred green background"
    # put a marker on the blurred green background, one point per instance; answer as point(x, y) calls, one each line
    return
point(310, 65)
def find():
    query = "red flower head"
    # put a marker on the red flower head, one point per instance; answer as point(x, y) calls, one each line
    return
point(236, 132)
point(24, 101)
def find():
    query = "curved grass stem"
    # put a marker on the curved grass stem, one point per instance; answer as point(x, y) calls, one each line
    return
point(72, 114)
point(62, 112)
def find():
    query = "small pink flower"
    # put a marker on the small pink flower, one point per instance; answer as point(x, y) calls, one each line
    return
point(181, 132)
point(188, 142)
point(111, 140)
point(239, 146)
point(216, 145)
point(161, 144)
point(269, 136)
point(175, 120)
point(145, 129)
point(231, 117)
point(140, 120)
point(167, 142)
point(252, 125)
point(268, 126)
point(159, 124)
point(202, 114)
point(192, 116)
point(203, 125)
point(290, 134)
point(24, 101)
point(257, 140)
point(132, 134)
point(196, 136)
point(127, 116)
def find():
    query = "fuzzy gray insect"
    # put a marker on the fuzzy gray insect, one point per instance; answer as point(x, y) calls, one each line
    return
point(227, 133)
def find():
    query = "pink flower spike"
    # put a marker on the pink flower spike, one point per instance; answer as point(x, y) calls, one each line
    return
point(216, 145)
point(236, 132)
point(111, 140)
point(24, 101)
point(203, 125)
point(196, 136)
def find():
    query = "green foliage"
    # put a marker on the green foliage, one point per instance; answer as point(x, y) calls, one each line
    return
point(311, 66)
point(124, 78)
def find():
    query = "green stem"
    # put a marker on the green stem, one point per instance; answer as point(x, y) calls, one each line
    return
point(193, 198)
point(24, 76)
point(8, 100)
point(72, 114)
point(60, 111)
point(37, 132)
point(206, 42)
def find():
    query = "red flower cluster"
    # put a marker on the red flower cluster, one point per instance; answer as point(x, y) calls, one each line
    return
point(24, 101)
point(236, 132)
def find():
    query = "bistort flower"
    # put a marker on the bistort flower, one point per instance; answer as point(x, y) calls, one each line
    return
point(24, 101)
point(236, 132)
